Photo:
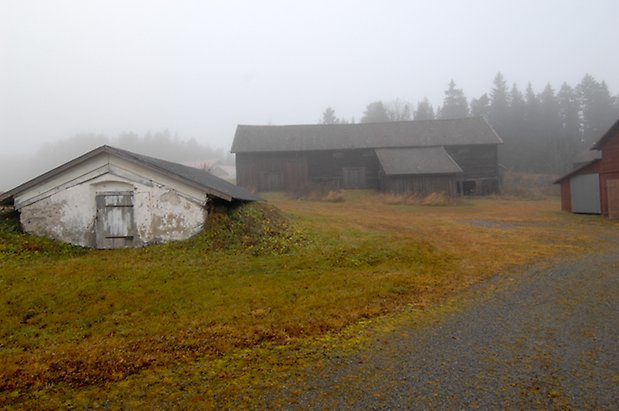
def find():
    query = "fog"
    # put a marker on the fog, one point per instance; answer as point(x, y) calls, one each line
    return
point(199, 68)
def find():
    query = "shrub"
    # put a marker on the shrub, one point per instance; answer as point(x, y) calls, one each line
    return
point(258, 228)
point(529, 186)
point(9, 220)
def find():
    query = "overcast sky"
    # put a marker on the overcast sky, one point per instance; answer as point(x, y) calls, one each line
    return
point(199, 68)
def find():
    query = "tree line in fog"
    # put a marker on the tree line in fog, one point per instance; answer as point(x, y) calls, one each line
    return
point(543, 131)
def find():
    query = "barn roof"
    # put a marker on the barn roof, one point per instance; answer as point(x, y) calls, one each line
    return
point(576, 170)
point(200, 179)
point(613, 130)
point(422, 133)
point(420, 160)
point(595, 156)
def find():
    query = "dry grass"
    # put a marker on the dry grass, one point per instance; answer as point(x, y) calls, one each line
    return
point(432, 199)
point(216, 314)
point(529, 186)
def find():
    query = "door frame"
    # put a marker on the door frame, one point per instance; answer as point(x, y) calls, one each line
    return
point(110, 240)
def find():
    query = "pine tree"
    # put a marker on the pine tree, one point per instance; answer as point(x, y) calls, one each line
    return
point(569, 118)
point(455, 104)
point(597, 108)
point(516, 106)
point(499, 103)
point(375, 113)
point(531, 105)
point(550, 131)
point(424, 110)
point(480, 107)
point(328, 117)
point(513, 130)
point(398, 110)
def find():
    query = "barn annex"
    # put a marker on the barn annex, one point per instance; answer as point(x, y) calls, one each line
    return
point(456, 156)
point(112, 198)
point(593, 188)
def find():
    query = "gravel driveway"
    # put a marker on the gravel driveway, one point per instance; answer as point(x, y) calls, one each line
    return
point(542, 338)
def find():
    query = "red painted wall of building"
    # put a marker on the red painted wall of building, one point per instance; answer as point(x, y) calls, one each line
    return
point(609, 165)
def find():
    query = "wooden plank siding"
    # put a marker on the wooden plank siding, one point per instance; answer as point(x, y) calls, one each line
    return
point(293, 171)
point(480, 168)
point(477, 161)
point(566, 196)
point(612, 194)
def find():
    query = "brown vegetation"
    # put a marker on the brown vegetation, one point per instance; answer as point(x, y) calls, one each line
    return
point(77, 322)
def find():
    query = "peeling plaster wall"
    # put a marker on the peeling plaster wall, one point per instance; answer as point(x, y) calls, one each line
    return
point(68, 216)
point(161, 213)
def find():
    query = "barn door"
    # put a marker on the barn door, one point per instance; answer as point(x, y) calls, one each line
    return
point(585, 189)
point(612, 189)
point(354, 177)
point(296, 175)
point(114, 223)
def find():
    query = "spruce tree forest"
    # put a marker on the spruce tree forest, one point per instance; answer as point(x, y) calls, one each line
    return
point(545, 131)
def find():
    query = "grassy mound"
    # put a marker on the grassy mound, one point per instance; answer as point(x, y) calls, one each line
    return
point(16, 244)
point(254, 228)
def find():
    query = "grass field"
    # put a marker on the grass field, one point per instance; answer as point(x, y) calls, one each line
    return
point(215, 320)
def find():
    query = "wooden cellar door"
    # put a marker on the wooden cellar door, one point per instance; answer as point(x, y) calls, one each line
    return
point(114, 222)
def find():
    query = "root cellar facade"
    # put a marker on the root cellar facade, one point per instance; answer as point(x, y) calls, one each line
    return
point(112, 198)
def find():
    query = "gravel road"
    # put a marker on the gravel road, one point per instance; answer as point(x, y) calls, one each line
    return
point(542, 338)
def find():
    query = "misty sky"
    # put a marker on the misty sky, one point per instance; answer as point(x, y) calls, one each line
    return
point(199, 68)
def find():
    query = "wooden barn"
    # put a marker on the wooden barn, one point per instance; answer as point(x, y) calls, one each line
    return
point(455, 156)
point(112, 198)
point(593, 187)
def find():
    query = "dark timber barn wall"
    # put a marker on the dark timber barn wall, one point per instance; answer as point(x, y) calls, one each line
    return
point(289, 171)
point(298, 157)
point(480, 165)
point(605, 168)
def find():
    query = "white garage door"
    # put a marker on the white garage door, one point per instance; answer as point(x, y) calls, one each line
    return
point(585, 194)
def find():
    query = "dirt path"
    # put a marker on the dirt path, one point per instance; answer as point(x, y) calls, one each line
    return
point(543, 338)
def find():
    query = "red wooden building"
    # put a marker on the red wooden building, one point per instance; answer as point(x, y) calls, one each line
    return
point(593, 188)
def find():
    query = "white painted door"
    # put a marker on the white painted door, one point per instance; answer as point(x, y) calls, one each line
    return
point(114, 225)
point(585, 191)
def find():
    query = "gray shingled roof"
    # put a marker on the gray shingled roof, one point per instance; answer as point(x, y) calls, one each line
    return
point(421, 160)
point(200, 179)
point(423, 133)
